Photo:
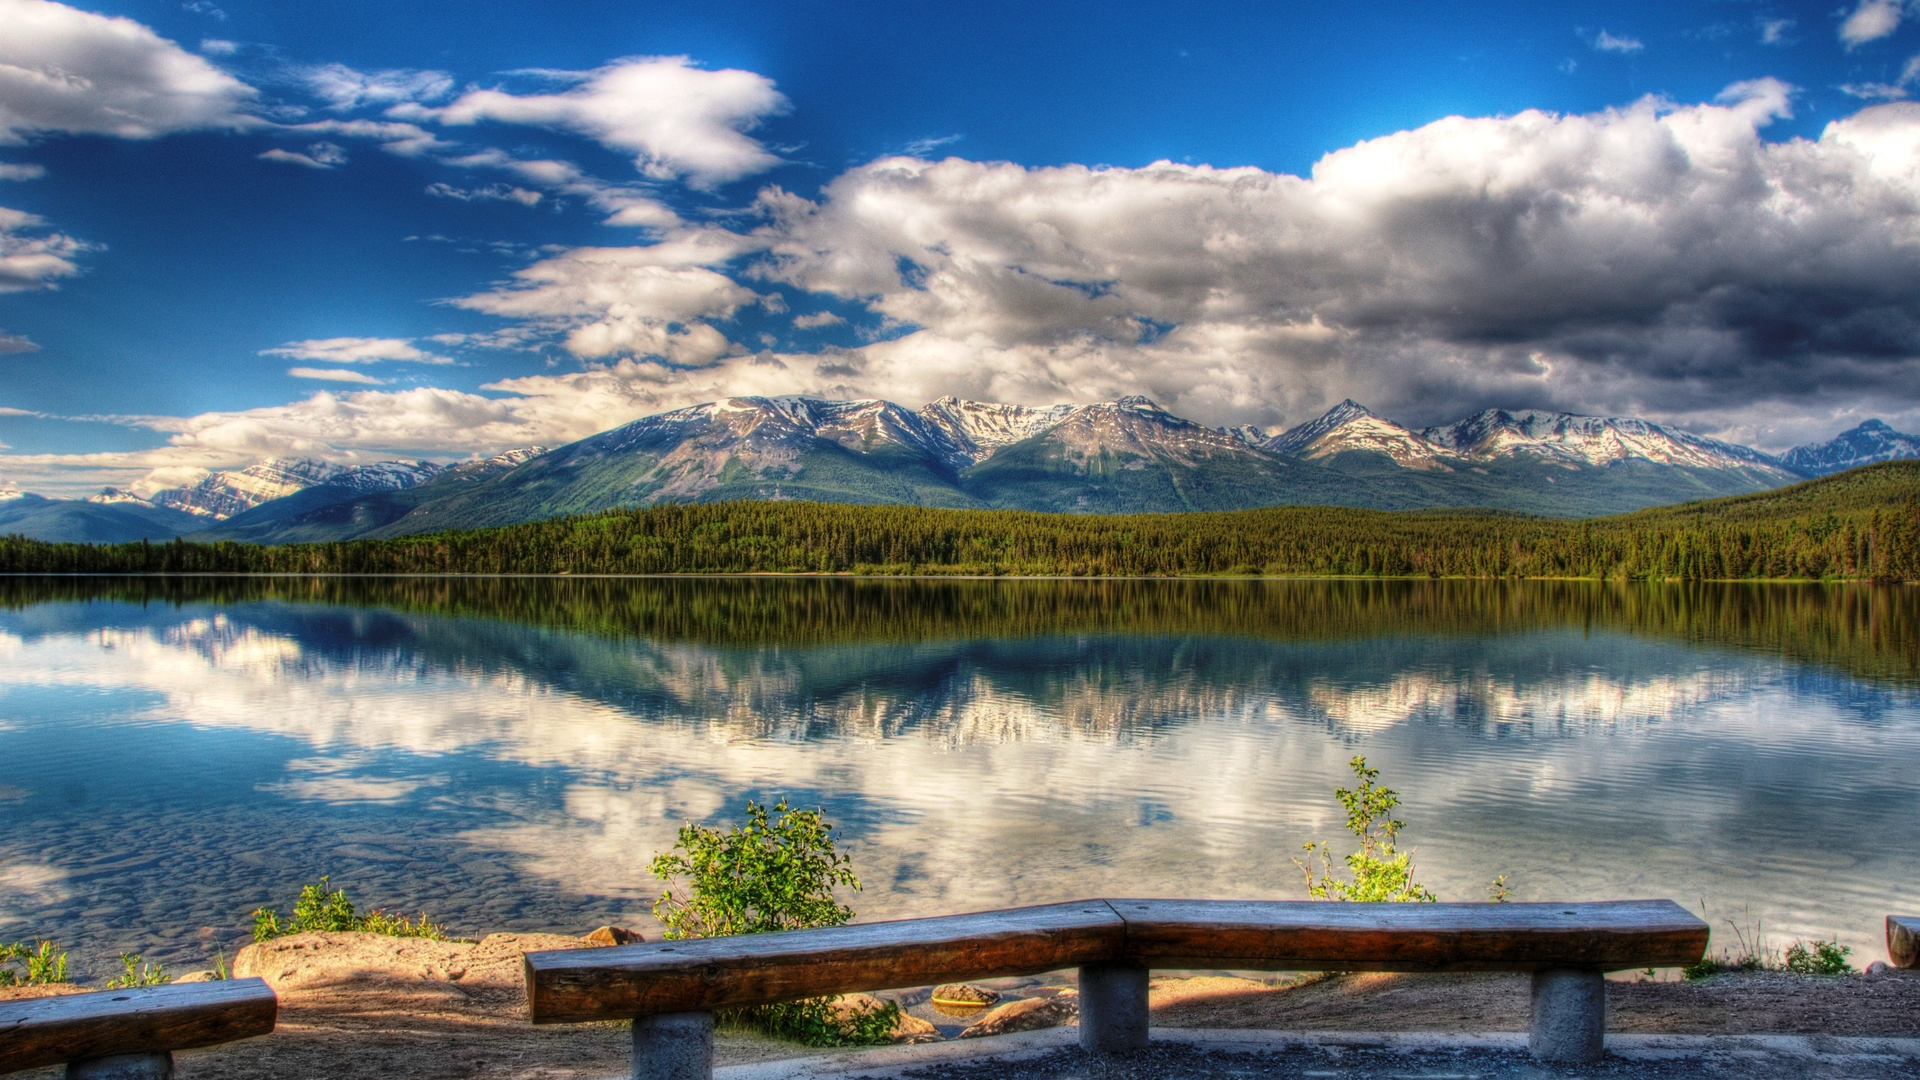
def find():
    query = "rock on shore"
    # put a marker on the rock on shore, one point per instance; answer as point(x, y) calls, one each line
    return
point(315, 961)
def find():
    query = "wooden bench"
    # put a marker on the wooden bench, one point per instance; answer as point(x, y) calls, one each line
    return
point(671, 988)
point(131, 1034)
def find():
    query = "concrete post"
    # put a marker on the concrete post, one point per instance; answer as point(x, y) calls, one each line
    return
point(1113, 1008)
point(673, 1046)
point(1569, 1016)
point(123, 1067)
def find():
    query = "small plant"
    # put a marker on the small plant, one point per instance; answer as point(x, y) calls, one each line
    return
point(770, 874)
point(1499, 892)
point(1822, 958)
point(220, 973)
point(1380, 871)
point(316, 909)
point(778, 871)
point(41, 964)
point(138, 973)
point(1748, 953)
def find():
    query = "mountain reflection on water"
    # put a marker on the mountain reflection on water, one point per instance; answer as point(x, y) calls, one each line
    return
point(509, 753)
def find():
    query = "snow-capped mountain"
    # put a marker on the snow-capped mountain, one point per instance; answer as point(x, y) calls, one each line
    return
point(1115, 456)
point(1872, 441)
point(1589, 440)
point(221, 495)
point(978, 428)
point(107, 496)
point(1351, 426)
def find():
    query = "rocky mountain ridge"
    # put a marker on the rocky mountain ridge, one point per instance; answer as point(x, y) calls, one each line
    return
point(1125, 455)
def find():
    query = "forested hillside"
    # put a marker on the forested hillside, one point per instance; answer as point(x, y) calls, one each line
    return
point(1860, 524)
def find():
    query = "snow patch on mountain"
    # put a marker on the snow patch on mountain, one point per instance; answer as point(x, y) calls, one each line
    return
point(109, 495)
point(978, 428)
point(1870, 442)
point(1351, 426)
point(1589, 440)
point(221, 495)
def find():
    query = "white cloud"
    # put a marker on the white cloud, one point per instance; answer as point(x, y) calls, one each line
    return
point(1776, 31)
point(16, 343)
point(12, 171)
point(1605, 42)
point(1870, 21)
point(925, 147)
point(490, 193)
point(655, 301)
point(817, 320)
point(355, 350)
point(219, 46)
point(334, 375)
point(321, 155)
point(406, 140)
point(71, 71)
point(342, 87)
point(1893, 91)
point(677, 119)
point(31, 258)
point(624, 204)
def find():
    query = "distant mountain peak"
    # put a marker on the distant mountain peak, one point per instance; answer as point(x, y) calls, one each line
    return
point(1351, 426)
point(110, 495)
point(1863, 444)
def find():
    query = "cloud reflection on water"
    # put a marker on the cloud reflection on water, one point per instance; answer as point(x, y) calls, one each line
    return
point(981, 772)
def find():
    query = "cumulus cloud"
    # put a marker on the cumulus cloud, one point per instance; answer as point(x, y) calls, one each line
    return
point(406, 140)
point(355, 350)
point(30, 257)
point(334, 375)
point(321, 155)
point(1871, 20)
point(677, 120)
point(817, 320)
point(654, 301)
point(71, 71)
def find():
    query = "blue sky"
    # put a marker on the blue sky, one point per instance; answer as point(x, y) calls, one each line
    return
point(231, 230)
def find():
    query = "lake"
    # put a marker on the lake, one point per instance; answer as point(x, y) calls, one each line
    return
point(509, 753)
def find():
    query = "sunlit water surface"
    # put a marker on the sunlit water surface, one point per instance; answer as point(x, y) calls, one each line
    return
point(510, 754)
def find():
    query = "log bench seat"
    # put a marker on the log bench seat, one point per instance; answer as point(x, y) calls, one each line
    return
point(131, 1034)
point(670, 988)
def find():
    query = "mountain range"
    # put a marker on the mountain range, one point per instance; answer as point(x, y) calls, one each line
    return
point(1128, 455)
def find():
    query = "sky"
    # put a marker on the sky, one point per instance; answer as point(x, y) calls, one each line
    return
point(238, 229)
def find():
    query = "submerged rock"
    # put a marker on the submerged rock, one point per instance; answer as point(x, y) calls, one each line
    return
point(907, 1029)
point(1029, 1014)
point(964, 995)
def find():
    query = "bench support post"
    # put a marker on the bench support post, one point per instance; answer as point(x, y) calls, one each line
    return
point(123, 1067)
point(673, 1046)
point(1113, 1008)
point(1569, 1016)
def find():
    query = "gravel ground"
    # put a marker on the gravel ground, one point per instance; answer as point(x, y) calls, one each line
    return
point(1181, 1061)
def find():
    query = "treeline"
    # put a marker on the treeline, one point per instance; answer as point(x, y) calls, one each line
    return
point(1861, 525)
point(1869, 631)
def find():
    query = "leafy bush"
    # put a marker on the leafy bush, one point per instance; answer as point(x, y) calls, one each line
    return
point(138, 973)
point(319, 910)
point(778, 871)
point(1380, 871)
point(41, 964)
point(1823, 958)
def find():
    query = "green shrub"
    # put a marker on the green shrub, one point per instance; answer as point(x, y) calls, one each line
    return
point(138, 973)
point(1380, 871)
point(41, 964)
point(316, 909)
point(1823, 958)
point(778, 871)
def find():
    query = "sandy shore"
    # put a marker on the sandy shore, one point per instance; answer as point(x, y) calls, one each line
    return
point(467, 1019)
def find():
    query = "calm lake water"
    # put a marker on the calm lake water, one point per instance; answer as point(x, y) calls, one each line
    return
point(510, 753)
